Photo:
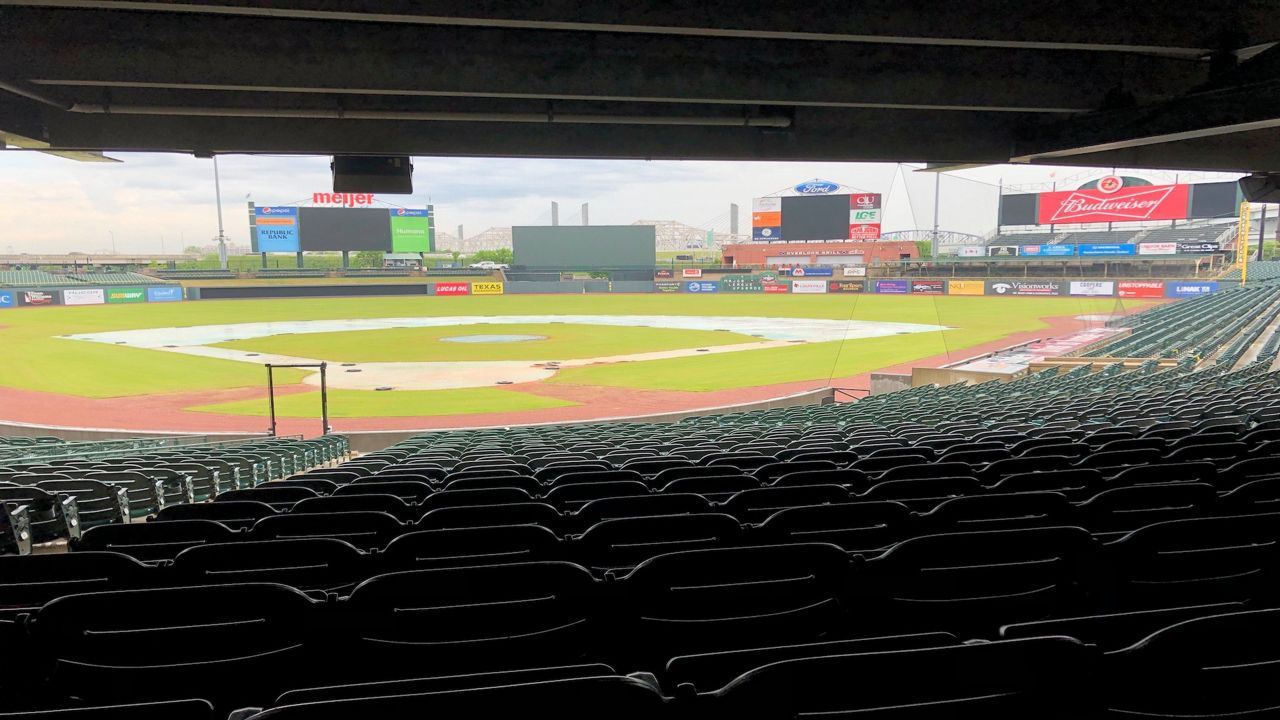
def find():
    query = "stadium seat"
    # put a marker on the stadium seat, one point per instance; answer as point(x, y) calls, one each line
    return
point(280, 498)
point(32, 580)
point(410, 491)
point(308, 564)
point(473, 619)
point(753, 506)
point(236, 515)
point(625, 542)
point(462, 547)
point(389, 504)
point(164, 710)
point(465, 516)
point(53, 516)
point(854, 526)
point(98, 503)
point(152, 541)
point(364, 529)
point(1114, 631)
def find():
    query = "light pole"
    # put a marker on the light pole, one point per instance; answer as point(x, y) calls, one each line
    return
point(222, 238)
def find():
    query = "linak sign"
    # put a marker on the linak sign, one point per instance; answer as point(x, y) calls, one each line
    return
point(1111, 203)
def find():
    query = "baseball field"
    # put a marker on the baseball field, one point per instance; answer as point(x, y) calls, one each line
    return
point(425, 361)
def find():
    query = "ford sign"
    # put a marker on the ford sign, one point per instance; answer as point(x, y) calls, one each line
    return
point(817, 187)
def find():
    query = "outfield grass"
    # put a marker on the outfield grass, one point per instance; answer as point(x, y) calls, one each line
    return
point(396, 403)
point(562, 342)
point(34, 358)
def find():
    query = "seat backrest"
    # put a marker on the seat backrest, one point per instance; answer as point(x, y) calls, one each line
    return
point(571, 497)
point(363, 529)
point(855, 480)
point(596, 476)
point(639, 506)
point(938, 487)
point(459, 498)
point(235, 514)
point(626, 542)
point(928, 470)
point(1115, 630)
point(310, 563)
point(756, 505)
point(1002, 679)
point(853, 526)
point(274, 496)
point(412, 491)
point(999, 511)
point(465, 516)
point(32, 580)
point(712, 486)
point(389, 504)
point(460, 547)
point(772, 471)
point(154, 540)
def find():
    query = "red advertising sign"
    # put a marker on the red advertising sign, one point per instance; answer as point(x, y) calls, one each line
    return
point(1112, 203)
point(453, 288)
point(777, 288)
point(1140, 289)
point(864, 232)
point(864, 201)
point(691, 272)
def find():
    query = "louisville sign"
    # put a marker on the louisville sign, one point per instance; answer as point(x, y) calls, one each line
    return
point(808, 286)
point(1114, 203)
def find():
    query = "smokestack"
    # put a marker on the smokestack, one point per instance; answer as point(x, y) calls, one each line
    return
point(584, 214)
point(733, 218)
point(459, 233)
point(555, 213)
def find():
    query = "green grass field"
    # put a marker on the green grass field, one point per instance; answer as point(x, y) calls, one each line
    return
point(37, 359)
point(563, 342)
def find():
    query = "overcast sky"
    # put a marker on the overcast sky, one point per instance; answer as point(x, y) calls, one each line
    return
point(155, 201)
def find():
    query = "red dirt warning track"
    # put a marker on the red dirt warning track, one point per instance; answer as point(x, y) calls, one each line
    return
point(165, 412)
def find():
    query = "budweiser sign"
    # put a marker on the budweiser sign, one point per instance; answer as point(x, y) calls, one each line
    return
point(1144, 202)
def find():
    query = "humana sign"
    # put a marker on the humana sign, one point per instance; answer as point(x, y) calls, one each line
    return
point(344, 199)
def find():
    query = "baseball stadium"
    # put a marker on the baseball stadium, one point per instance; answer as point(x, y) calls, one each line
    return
point(981, 422)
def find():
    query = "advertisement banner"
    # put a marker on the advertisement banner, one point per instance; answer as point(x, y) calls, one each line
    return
point(276, 228)
point(808, 287)
point(84, 296)
point(1178, 289)
point(1024, 287)
point(37, 298)
point(7, 299)
point(971, 251)
point(854, 271)
point(453, 288)
point(766, 219)
point(486, 288)
point(928, 287)
point(703, 286)
point(864, 232)
point(966, 287)
point(1093, 250)
point(691, 273)
point(846, 286)
point(766, 204)
point(1092, 287)
point(864, 217)
point(1002, 250)
point(666, 286)
point(1047, 250)
point(1206, 247)
point(777, 288)
point(163, 294)
point(1160, 248)
point(1114, 204)
point(865, 201)
point(894, 287)
point(1140, 289)
point(812, 272)
point(663, 274)
point(410, 231)
point(767, 233)
point(126, 295)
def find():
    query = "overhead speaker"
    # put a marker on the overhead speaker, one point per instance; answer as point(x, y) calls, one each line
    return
point(1261, 187)
point(387, 174)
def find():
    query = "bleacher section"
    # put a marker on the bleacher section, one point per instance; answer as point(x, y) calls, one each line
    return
point(1259, 272)
point(197, 274)
point(115, 278)
point(1179, 233)
point(1191, 329)
point(1076, 544)
point(33, 278)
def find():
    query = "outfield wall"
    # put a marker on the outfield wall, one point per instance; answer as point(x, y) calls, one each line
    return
point(46, 296)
